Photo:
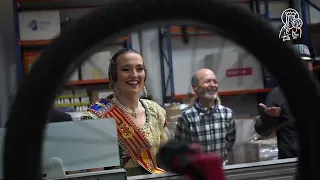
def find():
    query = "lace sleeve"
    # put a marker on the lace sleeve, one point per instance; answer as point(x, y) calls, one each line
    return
point(165, 134)
point(88, 115)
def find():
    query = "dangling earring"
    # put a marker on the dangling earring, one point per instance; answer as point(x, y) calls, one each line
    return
point(116, 91)
point(145, 91)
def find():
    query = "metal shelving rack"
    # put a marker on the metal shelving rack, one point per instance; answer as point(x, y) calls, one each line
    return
point(22, 5)
point(304, 16)
point(166, 57)
point(166, 61)
point(266, 15)
point(164, 33)
point(18, 48)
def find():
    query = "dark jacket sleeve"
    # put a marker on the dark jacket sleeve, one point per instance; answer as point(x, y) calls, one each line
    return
point(58, 116)
point(265, 124)
point(55, 116)
point(262, 130)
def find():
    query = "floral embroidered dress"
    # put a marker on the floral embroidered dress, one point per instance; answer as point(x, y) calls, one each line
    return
point(138, 146)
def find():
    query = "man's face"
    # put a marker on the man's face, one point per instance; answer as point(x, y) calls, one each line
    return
point(207, 86)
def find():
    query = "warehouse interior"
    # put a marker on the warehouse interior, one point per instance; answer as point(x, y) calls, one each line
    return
point(28, 26)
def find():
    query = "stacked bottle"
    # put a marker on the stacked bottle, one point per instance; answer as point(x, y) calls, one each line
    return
point(76, 100)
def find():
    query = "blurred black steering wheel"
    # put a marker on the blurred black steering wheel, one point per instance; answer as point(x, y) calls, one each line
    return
point(26, 124)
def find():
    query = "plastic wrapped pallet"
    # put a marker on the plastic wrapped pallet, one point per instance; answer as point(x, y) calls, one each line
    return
point(261, 149)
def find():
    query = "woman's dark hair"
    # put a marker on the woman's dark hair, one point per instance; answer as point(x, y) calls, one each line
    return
point(112, 73)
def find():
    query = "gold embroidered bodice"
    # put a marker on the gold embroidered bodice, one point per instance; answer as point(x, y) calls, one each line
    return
point(153, 129)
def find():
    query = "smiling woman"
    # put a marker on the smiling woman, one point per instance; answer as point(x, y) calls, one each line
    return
point(140, 122)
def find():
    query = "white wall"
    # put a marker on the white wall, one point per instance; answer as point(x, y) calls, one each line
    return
point(275, 10)
point(145, 42)
point(215, 53)
point(314, 16)
point(150, 50)
point(188, 58)
point(195, 55)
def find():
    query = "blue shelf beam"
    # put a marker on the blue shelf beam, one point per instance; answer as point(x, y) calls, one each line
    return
point(304, 16)
point(18, 47)
point(129, 42)
point(266, 7)
point(166, 61)
point(162, 65)
point(257, 4)
point(170, 66)
point(313, 5)
point(304, 4)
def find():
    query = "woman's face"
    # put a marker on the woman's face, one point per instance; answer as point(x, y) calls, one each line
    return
point(131, 74)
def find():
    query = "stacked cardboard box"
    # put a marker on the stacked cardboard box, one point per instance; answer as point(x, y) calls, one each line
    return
point(174, 111)
point(173, 114)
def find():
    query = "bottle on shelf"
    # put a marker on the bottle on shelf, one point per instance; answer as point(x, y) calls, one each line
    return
point(74, 100)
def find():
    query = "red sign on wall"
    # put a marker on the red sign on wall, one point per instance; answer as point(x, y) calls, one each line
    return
point(239, 72)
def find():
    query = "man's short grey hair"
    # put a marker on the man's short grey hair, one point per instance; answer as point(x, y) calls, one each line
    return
point(194, 80)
